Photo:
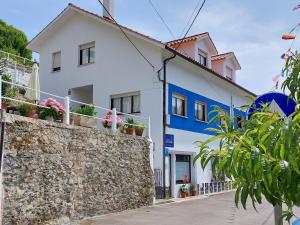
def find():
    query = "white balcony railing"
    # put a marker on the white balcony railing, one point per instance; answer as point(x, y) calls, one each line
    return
point(215, 187)
point(139, 121)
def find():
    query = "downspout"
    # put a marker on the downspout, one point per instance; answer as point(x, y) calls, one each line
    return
point(165, 120)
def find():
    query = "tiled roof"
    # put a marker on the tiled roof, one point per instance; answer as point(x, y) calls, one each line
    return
point(224, 56)
point(112, 22)
point(190, 38)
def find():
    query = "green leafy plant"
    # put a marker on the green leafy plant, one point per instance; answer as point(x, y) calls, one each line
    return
point(88, 110)
point(129, 123)
point(24, 109)
point(192, 187)
point(139, 126)
point(183, 189)
point(263, 158)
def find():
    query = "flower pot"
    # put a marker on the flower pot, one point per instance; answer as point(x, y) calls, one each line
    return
point(88, 122)
point(4, 106)
point(183, 194)
point(75, 120)
point(31, 114)
point(139, 132)
point(129, 131)
point(194, 193)
point(49, 118)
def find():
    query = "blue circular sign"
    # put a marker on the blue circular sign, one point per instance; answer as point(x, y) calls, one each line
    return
point(278, 102)
point(297, 222)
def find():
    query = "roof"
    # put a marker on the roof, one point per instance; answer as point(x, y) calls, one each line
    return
point(209, 70)
point(95, 16)
point(192, 38)
point(226, 55)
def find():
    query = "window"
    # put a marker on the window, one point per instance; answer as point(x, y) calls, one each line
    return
point(229, 73)
point(178, 105)
point(222, 120)
point(239, 121)
point(202, 58)
point(56, 61)
point(183, 168)
point(126, 104)
point(200, 111)
point(87, 54)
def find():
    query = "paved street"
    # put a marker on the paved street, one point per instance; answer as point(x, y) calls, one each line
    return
point(215, 210)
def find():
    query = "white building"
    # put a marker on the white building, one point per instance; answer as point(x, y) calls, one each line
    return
point(88, 57)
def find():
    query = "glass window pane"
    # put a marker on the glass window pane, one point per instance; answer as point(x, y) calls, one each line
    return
point(182, 167)
point(56, 61)
point(174, 105)
point(92, 54)
point(136, 103)
point(179, 107)
point(116, 103)
point(84, 56)
point(127, 104)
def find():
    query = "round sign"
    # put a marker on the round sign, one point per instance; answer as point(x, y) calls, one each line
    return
point(278, 102)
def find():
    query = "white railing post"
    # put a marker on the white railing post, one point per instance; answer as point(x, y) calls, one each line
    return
point(149, 127)
point(204, 188)
point(0, 92)
point(114, 120)
point(67, 110)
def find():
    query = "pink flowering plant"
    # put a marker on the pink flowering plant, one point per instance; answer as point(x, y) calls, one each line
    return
point(55, 110)
point(107, 120)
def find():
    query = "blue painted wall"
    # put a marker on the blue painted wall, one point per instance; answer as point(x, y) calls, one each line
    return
point(189, 123)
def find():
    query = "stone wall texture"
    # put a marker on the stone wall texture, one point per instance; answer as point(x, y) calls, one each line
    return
point(54, 173)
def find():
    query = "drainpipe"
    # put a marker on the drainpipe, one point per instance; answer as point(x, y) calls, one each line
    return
point(165, 120)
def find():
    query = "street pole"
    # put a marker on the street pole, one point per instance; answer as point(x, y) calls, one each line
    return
point(278, 214)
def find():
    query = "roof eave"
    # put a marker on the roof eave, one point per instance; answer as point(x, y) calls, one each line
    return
point(211, 71)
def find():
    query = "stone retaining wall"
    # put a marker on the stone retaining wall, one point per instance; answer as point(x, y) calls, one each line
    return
point(54, 173)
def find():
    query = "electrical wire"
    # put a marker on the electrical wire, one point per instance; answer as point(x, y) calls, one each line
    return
point(191, 16)
point(120, 27)
point(161, 18)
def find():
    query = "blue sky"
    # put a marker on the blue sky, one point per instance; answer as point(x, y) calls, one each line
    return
point(250, 28)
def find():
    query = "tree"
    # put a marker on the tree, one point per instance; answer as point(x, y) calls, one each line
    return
point(13, 40)
point(263, 157)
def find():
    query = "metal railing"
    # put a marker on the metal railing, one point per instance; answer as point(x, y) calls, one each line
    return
point(18, 67)
point(139, 121)
point(215, 187)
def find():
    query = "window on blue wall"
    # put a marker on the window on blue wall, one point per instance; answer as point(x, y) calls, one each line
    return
point(239, 122)
point(222, 120)
point(200, 111)
point(183, 168)
point(178, 105)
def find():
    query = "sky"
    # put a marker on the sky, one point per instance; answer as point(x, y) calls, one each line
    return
point(252, 29)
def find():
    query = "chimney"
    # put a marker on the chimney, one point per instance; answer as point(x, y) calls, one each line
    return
point(110, 6)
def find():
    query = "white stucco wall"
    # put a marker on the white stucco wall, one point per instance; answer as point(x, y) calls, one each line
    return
point(118, 68)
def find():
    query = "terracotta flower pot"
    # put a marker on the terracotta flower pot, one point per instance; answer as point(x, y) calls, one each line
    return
point(183, 194)
point(139, 132)
point(31, 114)
point(194, 193)
point(4, 106)
point(129, 131)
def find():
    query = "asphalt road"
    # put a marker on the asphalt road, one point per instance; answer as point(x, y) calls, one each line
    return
point(215, 210)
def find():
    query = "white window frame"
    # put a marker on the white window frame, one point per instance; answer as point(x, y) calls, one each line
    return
point(202, 55)
point(56, 68)
point(88, 47)
point(121, 97)
point(197, 102)
point(184, 99)
point(229, 76)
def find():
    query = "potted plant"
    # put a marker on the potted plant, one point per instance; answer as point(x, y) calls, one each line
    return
point(129, 126)
point(87, 119)
point(183, 191)
point(139, 129)
point(193, 190)
point(107, 121)
point(53, 111)
point(27, 110)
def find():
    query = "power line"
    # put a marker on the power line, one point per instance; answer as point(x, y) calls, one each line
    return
point(191, 16)
point(161, 18)
point(188, 30)
point(120, 27)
